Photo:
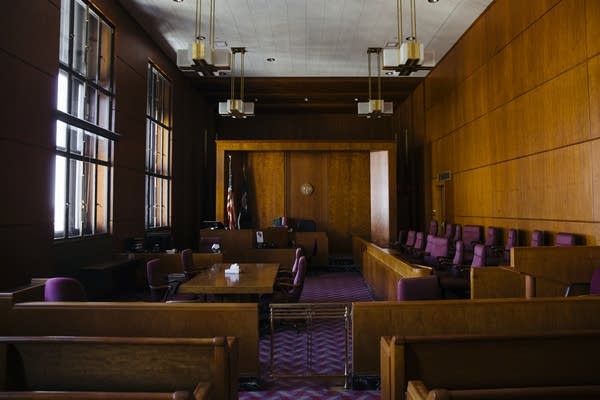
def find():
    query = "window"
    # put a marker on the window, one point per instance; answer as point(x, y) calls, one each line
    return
point(84, 126)
point(158, 150)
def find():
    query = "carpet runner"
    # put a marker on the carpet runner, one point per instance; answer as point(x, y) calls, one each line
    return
point(327, 341)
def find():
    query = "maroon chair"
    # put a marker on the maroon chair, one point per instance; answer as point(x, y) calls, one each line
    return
point(161, 289)
point(537, 238)
point(512, 240)
point(64, 289)
point(456, 283)
point(288, 274)
point(419, 288)
point(565, 239)
point(433, 227)
point(290, 293)
point(410, 241)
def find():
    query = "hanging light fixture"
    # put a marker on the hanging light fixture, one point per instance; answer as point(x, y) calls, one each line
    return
point(409, 55)
point(375, 107)
point(237, 108)
point(197, 58)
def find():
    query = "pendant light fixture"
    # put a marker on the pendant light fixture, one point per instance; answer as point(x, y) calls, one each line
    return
point(237, 108)
point(201, 56)
point(375, 107)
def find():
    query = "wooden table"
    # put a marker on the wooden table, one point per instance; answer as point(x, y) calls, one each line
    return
point(254, 279)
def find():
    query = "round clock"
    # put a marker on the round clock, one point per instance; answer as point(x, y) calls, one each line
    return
point(307, 189)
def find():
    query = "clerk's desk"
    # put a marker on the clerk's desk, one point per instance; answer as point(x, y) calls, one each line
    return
point(240, 245)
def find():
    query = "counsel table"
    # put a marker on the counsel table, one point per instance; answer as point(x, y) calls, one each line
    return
point(253, 279)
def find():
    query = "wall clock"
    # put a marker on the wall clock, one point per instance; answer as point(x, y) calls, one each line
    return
point(306, 189)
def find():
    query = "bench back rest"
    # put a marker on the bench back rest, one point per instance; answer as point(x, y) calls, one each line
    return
point(123, 364)
point(371, 320)
point(488, 361)
point(140, 319)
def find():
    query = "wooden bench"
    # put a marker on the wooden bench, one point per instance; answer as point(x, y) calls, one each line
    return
point(543, 271)
point(486, 366)
point(138, 319)
point(372, 320)
point(50, 367)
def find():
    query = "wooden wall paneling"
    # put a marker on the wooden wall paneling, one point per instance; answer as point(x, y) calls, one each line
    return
point(268, 185)
point(595, 159)
point(500, 71)
point(380, 166)
point(564, 102)
point(592, 8)
point(348, 206)
point(31, 31)
point(593, 66)
point(560, 31)
point(307, 167)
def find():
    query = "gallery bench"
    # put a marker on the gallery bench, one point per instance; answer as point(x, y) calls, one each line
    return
point(51, 367)
point(484, 366)
point(138, 319)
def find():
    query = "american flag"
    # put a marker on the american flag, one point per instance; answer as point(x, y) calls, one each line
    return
point(231, 221)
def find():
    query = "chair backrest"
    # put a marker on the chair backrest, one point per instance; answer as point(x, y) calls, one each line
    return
point(595, 282)
point(430, 243)
point(297, 260)
point(438, 248)
point(157, 282)
point(459, 255)
point(471, 234)
point(564, 239)
point(433, 227)
point(64, 289)
point(187, 261)
point(457, 232)
point(402, 236)
point(419, 288)
point(420, 241)
point(512, 239)
point(306, 225)
point(537, 238)
point(493, 236)
point(296, 291)
point(410, 238)
point(479, 256)
point(449, 232)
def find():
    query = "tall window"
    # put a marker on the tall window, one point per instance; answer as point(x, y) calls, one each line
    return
point(84, 126)
point(158, 150)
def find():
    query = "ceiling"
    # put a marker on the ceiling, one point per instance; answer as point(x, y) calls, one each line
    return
point(318, 46)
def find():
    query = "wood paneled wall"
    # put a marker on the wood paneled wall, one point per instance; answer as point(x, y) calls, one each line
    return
point(512, 111)
point(29, 40)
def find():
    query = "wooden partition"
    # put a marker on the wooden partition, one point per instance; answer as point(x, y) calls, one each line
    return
point(382, 268)
point(372, 320)
point(548, 270)
point(140, 320)
point(240, 245)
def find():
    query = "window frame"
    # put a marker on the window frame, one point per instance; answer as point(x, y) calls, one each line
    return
point(158, 162)
point(86, 141)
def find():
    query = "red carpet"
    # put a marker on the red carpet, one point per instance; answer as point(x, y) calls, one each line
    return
point(328, 344)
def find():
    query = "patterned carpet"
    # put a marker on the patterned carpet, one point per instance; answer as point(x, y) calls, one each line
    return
point(290, 355)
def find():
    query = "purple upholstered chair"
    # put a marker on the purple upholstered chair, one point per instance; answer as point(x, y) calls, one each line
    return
point(410, 241)
point(565, 239)
point(420, 242)
point(436, 251)
point(457, 233)
point(433, 227)
point(419, 288)
point(537, 238)
point(457, 282)
point(288, 274)
point(64, 289)
point(290, 293)
point(161, 289)
point(512, 240)
point(449, 231)
point(187, 263)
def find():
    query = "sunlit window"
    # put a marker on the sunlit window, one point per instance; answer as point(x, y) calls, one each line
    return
point(158, 150)
point(84, 126)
